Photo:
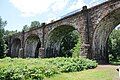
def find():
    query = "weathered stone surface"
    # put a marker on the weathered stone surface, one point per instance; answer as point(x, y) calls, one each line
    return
point(94, 26)
point(41, 52)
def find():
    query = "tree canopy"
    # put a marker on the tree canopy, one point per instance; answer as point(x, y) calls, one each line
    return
point(25, 28)
point(2, 47)
point(114, 44)
point(35, 24)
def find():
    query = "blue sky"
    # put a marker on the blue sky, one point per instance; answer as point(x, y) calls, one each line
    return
point(21, 12)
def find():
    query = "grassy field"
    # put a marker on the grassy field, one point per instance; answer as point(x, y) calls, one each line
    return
point(102, 72)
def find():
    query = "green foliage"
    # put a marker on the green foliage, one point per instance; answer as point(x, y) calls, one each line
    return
point(2, 25)
point(25, 28)
point(8, 33)
point(68, 43)
point(35, 24)
point(25, 69)
point(115, 61)
point(114, 45)
point(38, 69)
point(77, 48)
point(73, 64)
point(103, 72)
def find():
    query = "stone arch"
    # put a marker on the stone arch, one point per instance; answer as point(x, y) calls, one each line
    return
point(32, 45)
point(101, 34)
point(54, 39)
point(16, 45)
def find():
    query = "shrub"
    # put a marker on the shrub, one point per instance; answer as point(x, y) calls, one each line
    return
point(37, 69)
point(76, 50)
point(73, 64)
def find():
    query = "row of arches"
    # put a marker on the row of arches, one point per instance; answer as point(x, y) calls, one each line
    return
point(31, 49)
point(99, 39)
point(53, 43)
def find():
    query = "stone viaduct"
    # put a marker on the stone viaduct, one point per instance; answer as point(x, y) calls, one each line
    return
point(93, 24)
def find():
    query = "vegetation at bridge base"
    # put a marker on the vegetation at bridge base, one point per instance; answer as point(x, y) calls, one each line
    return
point(77, 48)
point(38, 69)
point(114, 47)
point(103, 72)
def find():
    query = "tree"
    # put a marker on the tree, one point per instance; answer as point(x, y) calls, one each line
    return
point(68, 43)
point(8, 33)
point(2, 25)
point(25, 28)
point(35, 24)
point(77, 48)
point(114, 44)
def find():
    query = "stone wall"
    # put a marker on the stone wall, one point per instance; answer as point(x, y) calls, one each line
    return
point(94, 26)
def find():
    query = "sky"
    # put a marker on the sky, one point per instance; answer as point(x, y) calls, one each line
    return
point(18, 13)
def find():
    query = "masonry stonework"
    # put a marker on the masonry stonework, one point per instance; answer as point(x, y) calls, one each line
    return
point(94, 26)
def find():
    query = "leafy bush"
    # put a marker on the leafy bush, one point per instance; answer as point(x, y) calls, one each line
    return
point(77, 48)
point(115, 62)
point(73, 64)
point(37, 69)
point(22, 69)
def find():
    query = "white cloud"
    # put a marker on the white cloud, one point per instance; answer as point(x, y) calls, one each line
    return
point(59, 5)
point(30, 8)
point(77, 5)
point(50, 19)
point(95, 2)
point(34, 7)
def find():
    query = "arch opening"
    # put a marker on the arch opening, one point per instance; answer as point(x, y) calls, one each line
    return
point(113, 45)
point(59, 42)
point(32, 45)
point(68, 43)
point(16, 45)
point(101, 34)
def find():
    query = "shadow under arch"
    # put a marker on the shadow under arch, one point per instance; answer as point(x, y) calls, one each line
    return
point(54, 39)
point(32, 45)
point(101, 34)
point(16, 45)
